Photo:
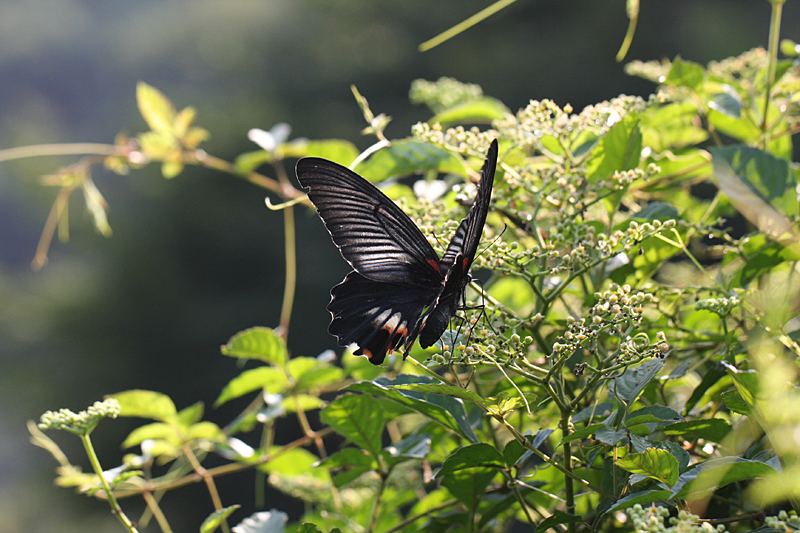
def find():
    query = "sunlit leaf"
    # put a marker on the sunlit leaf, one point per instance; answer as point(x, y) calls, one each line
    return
point(482, 111)
point(271, 379)
point(257, 343)
point(654, 463)
point(213, 520)
point(620, 149)
point(357, 417)
point(406, 157)
point(146, 404)
point(480, 454)
point(685, 74)
point(156, 109)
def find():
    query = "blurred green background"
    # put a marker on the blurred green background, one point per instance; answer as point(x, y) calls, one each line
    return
point(195, 259)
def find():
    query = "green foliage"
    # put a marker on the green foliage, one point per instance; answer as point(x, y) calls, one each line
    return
point(625, 349)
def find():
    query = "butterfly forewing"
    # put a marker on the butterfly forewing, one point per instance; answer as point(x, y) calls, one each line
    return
point(374, 235)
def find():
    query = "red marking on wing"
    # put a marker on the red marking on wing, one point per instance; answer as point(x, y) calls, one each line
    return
point(434, 264)
point(466, 264)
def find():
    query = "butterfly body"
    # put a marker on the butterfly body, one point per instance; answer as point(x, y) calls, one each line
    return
point(400, 289)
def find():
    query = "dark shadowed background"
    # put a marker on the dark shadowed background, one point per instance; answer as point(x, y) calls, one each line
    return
point(196, 259)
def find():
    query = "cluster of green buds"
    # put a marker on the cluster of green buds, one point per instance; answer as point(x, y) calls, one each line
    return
point(443, 93)
point(482, 345)
point(545, 118)
point(639, 347)
point(722, 306)
point(81, 423)
point(637, 232)
point(616, 310)
point(651, 520)
point(788, 522)
point(459, 139)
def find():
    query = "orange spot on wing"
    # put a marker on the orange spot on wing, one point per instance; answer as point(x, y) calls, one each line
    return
point(434, 264)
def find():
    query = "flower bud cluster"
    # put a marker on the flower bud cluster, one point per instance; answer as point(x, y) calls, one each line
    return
point(459, 139)
point(636, 233)
point(651, 520)
point(721, 306)
point(82, 422)
point(544, 118)
point(617, 308)
point(639, 347)
point(788, 522)
point(443, 93)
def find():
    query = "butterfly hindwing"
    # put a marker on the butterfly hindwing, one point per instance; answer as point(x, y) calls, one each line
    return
point(375, 236)
point(377, 316)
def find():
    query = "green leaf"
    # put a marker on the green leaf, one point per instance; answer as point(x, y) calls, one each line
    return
point(271, 379)
point(312, 528)
point(469, 485)
point(293, 463)
point(714, 474)
point(406, 157)
point(686, 74)
point(653, 413)
point(154, 431)
point(512, 452)
point(633, 381)
point(191, 414)
point(213, 520)
point(257, 343)
point(654, 463)
point(710, 429)
point(610, 436)
point(713, 375)
point(206, 431)
point(657, 211)
point(765, 175)
point(642, 497)
point(263, 522)
point(677, 450)
point(156, 109)
point(558, 517)
point(445, 390)
point(474, 455)
point(582, 433)
point(727, 102)
point(734, 401)
point(482, 111)
point(449, 412)
point(349, 457)
point(146, 404)
point(747, 383)
point(249, 161)
point(336, 150)
point(620, 149)
point(670, 127)
point(307, 402)
point(358, 418)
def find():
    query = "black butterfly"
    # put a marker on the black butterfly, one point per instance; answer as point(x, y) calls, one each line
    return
point(399, 288)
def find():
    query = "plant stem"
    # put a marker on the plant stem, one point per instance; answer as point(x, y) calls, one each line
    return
point(569, 489)
point(774, 43)
point(112, 500)
point(291, 270)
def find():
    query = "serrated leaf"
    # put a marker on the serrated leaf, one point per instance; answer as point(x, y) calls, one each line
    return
point(654, 463)
point(156, 109)
point(710, 429)
point(474, 455)
point(213, 520)
point(447, 411)
point(146, 404)
point(633, 381)
point(685, 74)
point(481, 111)
point(618, 150)
point(406, 157)
point(357, 417)
point(259, 343)
point(271, 379)
point(272, 521)
point(445, 390)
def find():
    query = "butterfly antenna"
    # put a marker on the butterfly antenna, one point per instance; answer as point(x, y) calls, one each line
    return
point(505, 227)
